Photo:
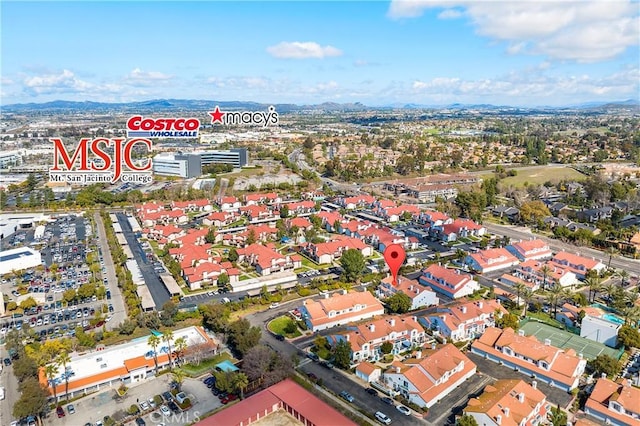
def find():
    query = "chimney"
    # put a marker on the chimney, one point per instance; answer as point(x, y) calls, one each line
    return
point(418, 354)
point(464, 309)
point(415, 318)
point(506, 411)
point(521, 333)
point(346, 337)
point(397, 370)
point(603, 375)
point(547, 342)
point(372, 328)
point(498, 419)
point(343, 291)
point(411, 287)
point(534, 384)
point(433, 346)
point(580, 355)
point(392, 322)
point(480, 304)
point(325, 295)
point(521, 397)
point(627, 383)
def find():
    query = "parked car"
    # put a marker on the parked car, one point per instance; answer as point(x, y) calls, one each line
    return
point(371, 391)
point(387, 400)
point(140, 421)
point(71, 409)
point(383, 418)
point(404, 410)
point(165, 410)
point(60, 411)
point(347, 396)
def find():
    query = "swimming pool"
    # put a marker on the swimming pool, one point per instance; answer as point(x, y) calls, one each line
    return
point(613, 318)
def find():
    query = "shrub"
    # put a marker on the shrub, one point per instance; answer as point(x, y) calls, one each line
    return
point(133, 410)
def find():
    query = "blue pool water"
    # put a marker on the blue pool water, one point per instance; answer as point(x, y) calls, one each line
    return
point(613, 318)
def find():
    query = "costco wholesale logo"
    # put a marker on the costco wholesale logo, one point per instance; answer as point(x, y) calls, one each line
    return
point(141, 127)
point(100, 160)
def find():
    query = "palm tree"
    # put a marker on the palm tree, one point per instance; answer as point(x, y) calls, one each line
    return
point(609, 290)
point(181, 346)
point(594, 286)
point(527, 295)
point(240, 383)
point(50, 371)
point(545, 270)
point(154, 342)
point(554, 295)
point(168, 337)
point(631, 315)
point(519, 287)
point(64, 359)
point(611, 251)
point(178, 377)
point(623, 274)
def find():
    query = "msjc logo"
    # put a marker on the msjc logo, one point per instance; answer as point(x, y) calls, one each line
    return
point(81, 163)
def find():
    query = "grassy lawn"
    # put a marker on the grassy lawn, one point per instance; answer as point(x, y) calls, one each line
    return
point(277, 326)
point(540, 175)
point(324, 353)
point(206, 365)
point(545, 318)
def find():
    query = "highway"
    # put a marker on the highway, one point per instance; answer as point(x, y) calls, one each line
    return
point(516, 233)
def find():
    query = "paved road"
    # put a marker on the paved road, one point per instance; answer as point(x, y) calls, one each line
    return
point(520, 233)
point(10, 384)
point(119, 311)
point(158, 291)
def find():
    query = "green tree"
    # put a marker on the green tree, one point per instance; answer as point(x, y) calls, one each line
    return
point(629, 337)
point(210, 238)
point(284, 211)
point(353, 264)
point(342, 354)
point(467, 420)
point(251, 237)
point(33, 400)
point(508, 320)
point(25, 367)
point(399, 302)
point(233, 255)
point(557, 416)
point(181, 347)
point(533, 211)
point(178, 378)
point(215, 316)
point(604, 364)
point(242, 336)
point(386, 347)
point(51, 370)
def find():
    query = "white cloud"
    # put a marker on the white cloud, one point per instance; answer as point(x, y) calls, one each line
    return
point(138, 74)
point(6, 81)
point(63, 82)
point(302, 50)
point(582, 31)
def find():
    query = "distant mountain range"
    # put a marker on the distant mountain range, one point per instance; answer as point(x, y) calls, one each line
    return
point(188, 104)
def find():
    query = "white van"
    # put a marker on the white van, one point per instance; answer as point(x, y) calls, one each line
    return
point(383, 418)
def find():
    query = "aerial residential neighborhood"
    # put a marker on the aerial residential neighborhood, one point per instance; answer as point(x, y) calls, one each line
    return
point(320, 213)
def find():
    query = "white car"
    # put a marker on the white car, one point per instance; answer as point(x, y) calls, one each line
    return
point(165, 410)
point(1, 394)
point(383, 418)
point(404, 410)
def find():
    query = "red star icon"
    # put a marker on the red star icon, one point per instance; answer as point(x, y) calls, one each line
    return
point(216, 115)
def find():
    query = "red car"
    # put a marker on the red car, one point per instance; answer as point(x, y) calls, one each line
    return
point(60, 411)
point(227, 399)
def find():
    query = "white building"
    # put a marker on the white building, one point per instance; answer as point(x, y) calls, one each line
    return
point(10, 158)
point(19, 259)
point(600, 330)
point(420, 295)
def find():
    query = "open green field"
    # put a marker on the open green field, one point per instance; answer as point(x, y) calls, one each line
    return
point(278, 325)
point(540, 175)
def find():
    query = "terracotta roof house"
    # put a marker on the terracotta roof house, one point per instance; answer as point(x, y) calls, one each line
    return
point(509, 402)
point(268, 261)
point(577, 264)
point(533, 271)
point(420, 295)
point(430, 376)
point(530, 250)
point(451, 282)
point(489, 260)
point(528, 355)
point(365, 339)
point(340, 309)
point(464, 321)
point(615, 403)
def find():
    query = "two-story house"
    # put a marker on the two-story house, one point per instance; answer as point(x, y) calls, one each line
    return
point(450, 282)
point(340, 309)
point(615, 403)
point(465, 321)
point(420, 295)
point(490, 260)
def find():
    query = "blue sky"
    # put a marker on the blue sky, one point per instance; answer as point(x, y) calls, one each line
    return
point(428, 52)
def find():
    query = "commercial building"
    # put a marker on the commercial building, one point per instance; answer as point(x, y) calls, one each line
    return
point(237, 157)
point(601, 329)
point(10, 158)
point(126, 363)
point(179, 165)
point(284, 397)
point(19, 259)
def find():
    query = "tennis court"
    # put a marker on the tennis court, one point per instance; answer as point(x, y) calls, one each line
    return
point(565, 340)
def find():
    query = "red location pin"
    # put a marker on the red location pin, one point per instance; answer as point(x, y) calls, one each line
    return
point(394, 255)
